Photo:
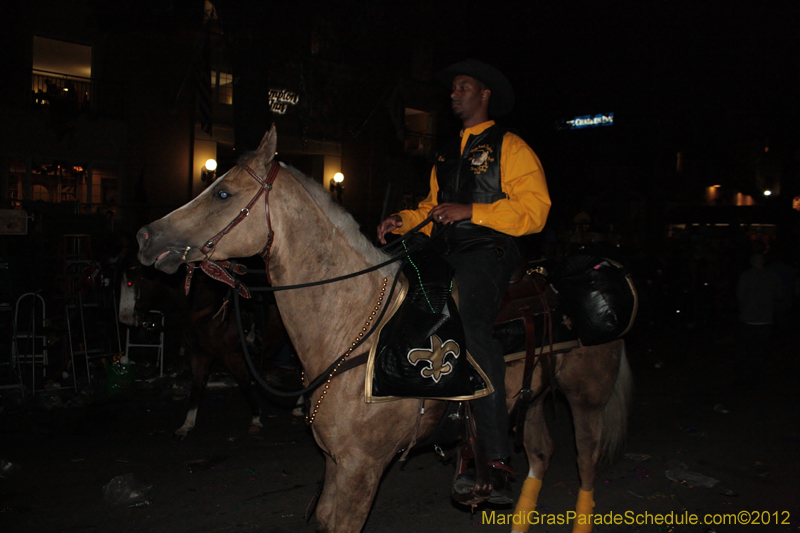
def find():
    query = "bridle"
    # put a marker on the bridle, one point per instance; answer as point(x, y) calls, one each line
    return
point(224, 270)
point(219, 270)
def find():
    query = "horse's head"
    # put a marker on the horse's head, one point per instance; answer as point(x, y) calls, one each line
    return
point(185, 235)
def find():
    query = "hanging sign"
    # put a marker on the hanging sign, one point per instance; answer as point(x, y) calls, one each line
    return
point(281, 99)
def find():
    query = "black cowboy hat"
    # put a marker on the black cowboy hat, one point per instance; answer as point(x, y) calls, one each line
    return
point(502, 100)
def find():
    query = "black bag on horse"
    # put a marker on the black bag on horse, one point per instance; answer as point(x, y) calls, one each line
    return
point(598, 295)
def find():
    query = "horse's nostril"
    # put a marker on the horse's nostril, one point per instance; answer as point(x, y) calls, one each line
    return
point(143, 236)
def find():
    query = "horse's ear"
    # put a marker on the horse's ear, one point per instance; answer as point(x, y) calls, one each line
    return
point(266, 150)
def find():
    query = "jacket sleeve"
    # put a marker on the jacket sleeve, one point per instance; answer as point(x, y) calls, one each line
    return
point(412, 217)
point(527, 205)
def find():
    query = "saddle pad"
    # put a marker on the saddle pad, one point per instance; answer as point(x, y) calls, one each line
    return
point(421, 351)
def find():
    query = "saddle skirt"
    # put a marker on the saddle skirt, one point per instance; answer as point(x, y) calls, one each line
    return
point(421, 350)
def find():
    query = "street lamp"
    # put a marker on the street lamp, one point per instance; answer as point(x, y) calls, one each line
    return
point(336, 186)
point(209, 172)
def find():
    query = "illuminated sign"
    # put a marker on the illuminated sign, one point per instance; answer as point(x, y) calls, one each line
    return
point(281, 99)
point(586, 121)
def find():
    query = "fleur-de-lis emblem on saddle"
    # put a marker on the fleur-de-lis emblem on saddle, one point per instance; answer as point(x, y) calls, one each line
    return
point(437, 365)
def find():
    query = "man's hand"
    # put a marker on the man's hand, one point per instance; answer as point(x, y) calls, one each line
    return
point(449, 213)
point(389, 225)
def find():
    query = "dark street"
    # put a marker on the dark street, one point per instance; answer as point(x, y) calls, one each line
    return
point(694, 410)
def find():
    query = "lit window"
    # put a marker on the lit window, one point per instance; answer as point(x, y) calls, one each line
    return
point(222, 87)
point(61, 71)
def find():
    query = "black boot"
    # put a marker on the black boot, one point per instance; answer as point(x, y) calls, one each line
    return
point(501, 475)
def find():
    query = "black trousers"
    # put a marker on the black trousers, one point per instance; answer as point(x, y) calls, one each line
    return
point(482, 277)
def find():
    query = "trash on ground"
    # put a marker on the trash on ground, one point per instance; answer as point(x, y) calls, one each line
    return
point(7, 468)
point(198, 465)
point(125, 489)
point(225, 383)
point(119, 378)
point(638, 456)
point(143, 503)
point(50, 399)
point(694, 479)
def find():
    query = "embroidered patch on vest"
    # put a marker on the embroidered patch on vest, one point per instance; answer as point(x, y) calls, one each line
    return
point(437, 365)
point(480, 157)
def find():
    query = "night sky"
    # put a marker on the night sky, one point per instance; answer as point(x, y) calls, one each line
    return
point(713, 80)
point(577, 56)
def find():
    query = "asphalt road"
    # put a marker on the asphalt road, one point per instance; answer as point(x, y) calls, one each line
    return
point(695, 409)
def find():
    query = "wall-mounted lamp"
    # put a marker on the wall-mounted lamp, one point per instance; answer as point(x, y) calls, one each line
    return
point(209, 172)
point(336, 186)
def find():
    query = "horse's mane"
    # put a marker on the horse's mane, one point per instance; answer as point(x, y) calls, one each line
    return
point(344, 221)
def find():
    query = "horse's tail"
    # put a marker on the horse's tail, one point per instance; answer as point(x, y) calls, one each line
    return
point(615, 414)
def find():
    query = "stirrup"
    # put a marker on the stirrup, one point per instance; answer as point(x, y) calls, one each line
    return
point(501, 476)
point(468, 489)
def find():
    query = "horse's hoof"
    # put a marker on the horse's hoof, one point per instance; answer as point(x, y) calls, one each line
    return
point(178, 436)
point(254, 430)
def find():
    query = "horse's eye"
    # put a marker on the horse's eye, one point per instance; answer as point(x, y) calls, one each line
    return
point(223, 195)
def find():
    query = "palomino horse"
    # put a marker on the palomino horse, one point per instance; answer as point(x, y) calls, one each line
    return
point(208, 337)
point(262, 207)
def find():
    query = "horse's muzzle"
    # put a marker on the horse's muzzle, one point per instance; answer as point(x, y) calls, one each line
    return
point(143, 238)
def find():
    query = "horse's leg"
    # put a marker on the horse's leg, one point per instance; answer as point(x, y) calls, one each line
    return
point(536, 438)
point(299, 410)
point(359, 448)
point(356, 483)
point(200, 365)
point(588, 379)
point(237, 366)
point(588, 419)
point(539, 449)
point(327, 500)
point(350, 487)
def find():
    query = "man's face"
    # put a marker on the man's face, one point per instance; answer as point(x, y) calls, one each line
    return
point(469, 97)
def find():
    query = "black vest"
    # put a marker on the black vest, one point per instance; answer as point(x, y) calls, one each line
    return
point(474, 176)
point(471, 178)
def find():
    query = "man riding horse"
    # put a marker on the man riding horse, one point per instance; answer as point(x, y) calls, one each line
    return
point(486, 188)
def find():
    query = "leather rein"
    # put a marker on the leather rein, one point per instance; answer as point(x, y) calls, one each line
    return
point(224, 271)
